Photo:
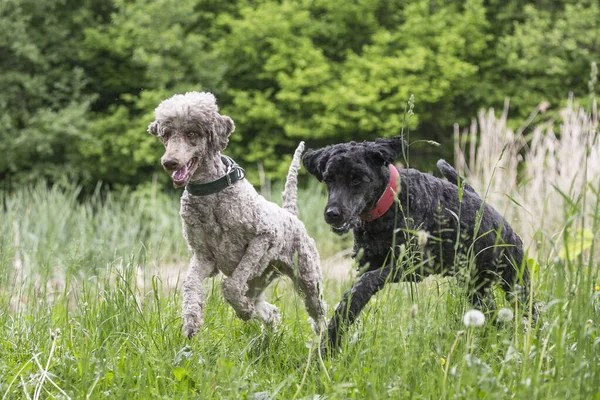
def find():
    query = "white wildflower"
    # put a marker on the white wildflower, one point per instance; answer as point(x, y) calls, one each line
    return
point(505, 315)
point(473, 318)
point(422, 238)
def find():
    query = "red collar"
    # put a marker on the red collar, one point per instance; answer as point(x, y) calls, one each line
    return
point(387, 198)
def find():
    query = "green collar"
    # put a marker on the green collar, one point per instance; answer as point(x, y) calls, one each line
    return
point(234, 173)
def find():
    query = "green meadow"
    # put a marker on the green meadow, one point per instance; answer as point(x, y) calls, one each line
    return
point(90, 308)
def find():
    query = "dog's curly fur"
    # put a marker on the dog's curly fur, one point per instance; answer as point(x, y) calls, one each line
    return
point(234, 231)
point(356, 174)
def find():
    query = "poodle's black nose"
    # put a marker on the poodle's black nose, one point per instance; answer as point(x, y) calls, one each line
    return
point(333, 215)
point(170, 164)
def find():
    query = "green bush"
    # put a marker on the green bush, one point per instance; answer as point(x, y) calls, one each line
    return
point(80, 79)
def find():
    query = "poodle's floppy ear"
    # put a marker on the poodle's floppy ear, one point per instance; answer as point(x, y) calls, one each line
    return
point(223, 126)
point(313, 161)
point(153, 128)
point(388, 149)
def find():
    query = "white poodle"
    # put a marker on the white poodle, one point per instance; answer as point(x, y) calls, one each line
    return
point(229, 227)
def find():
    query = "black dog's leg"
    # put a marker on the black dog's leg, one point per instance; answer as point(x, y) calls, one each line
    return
point(482, 298)
point(354, 301)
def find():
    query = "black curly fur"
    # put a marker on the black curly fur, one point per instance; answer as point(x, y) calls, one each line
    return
point(356, 174)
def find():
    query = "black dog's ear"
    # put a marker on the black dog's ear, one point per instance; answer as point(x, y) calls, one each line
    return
point(388, 149)
point(312, 160)
point(153, 128)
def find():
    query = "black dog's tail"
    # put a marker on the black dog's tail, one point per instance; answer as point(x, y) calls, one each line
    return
point(450, 173)
point(290, 193)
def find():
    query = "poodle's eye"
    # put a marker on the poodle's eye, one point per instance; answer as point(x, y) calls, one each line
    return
point(191, 134)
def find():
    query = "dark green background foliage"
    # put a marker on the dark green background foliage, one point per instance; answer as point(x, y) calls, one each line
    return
point(79, 79)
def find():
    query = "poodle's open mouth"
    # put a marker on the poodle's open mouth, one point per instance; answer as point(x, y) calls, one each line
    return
point(183, 175)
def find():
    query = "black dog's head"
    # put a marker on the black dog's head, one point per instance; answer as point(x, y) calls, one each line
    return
point(356, 175)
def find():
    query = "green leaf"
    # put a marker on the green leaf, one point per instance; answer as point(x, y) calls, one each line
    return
point(533, 265)
point(513, 200)
point(180, 373)
point(575, 244)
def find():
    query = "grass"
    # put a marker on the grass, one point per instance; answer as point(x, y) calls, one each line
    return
point(528, 176)
point(80, 323)
point(88, 309)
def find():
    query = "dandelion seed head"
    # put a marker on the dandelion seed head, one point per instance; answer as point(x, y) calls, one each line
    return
point(505, 315)
point(473, 318)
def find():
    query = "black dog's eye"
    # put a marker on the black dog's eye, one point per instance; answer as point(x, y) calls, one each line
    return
point(355, 181)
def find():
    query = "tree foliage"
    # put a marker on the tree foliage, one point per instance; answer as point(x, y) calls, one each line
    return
point(80, 79)
point(43, 101)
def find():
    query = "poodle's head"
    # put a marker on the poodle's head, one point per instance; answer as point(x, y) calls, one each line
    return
point(191, 129)
point(356, 175)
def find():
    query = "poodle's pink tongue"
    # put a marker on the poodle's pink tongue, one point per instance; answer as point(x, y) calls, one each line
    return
point(180, 174)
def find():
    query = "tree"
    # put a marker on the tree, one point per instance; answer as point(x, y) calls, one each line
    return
point(80, 79)
point(295, 84)
point(43, 104)
point(549, 54)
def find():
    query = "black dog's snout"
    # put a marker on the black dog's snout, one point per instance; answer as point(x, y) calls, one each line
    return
point(333, 215)
point(170, 164)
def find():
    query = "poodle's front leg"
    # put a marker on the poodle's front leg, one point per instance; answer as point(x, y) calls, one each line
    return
point(251, 265)
point(193, 294)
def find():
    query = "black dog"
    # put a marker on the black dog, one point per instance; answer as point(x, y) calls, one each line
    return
point(362, 191)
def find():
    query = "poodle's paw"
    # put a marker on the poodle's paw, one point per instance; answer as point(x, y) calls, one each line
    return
point(268, 313)
point(191, 326)
point(190, 331)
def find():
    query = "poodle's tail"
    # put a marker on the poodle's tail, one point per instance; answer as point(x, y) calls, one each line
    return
point(450, 173)
point(290, 193)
